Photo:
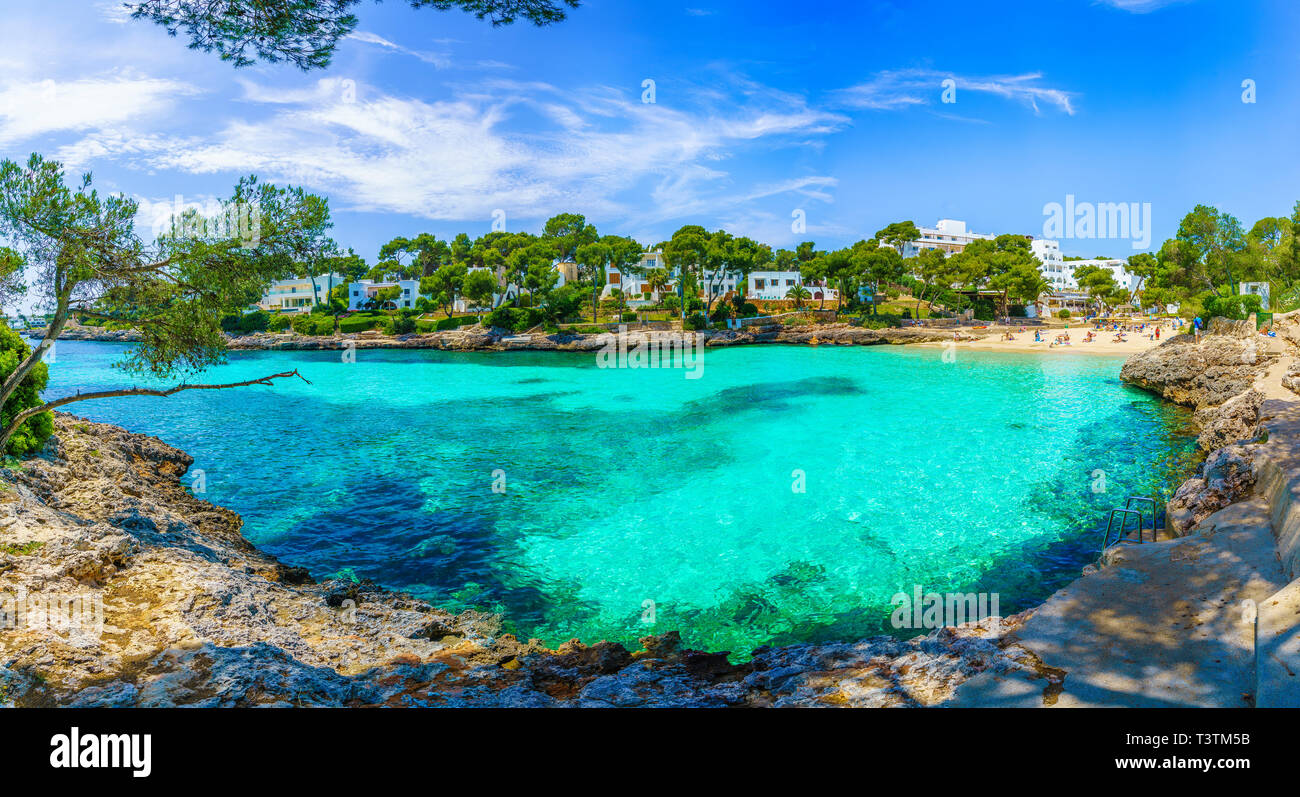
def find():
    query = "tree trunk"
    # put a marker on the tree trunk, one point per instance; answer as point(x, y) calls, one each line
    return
point(25, 367)
point(22, 417)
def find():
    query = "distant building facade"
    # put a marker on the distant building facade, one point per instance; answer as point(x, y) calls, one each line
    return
point(299, 294)
point(362, 292)
point(770, 286)
point(949, 236)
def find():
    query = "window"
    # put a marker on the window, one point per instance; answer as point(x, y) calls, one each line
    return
point(613, 278)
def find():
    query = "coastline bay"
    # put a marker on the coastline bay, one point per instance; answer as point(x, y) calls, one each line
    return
point(627, 486)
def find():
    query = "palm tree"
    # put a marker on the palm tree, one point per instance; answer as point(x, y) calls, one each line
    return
point(657, 280)
point(799, 294)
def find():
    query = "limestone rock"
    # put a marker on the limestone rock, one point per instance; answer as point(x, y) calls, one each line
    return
point(1234, 421)
point(1291, 379)
point(1228, 475)
point(1200, 374)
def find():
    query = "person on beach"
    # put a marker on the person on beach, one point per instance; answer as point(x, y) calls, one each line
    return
point(1197, 327)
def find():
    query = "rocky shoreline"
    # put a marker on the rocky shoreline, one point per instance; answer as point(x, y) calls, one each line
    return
point(192, 614)
point(480, 339)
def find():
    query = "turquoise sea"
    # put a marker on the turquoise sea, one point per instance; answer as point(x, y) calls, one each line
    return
point(630, 502)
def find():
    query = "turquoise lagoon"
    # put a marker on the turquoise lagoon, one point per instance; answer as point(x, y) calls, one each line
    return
point(626, 486)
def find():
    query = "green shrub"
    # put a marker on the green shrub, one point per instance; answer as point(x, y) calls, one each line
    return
point(749, 310)
point(312, 324)
point(31, 436)
point(567, 303)
point(455, 323)
point(882, 321)
point(695, 321)
point(402, 325)
point(629, 316)
point(246, 324)
point(1063, 313)
point(278, 323)
point(516, 319)
point(1237, 308)
point(358, 323)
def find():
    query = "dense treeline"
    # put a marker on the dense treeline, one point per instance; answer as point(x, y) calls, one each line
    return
point(512, 276)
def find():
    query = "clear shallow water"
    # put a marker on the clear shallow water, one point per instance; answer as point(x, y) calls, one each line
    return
point(626, 486)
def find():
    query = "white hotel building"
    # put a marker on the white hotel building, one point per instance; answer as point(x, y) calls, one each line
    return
point(1059, 272)
point(948, 235)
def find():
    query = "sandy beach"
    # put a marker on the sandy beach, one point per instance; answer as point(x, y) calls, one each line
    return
point(1104, 343)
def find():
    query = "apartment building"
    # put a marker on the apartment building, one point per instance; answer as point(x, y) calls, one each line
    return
point(362, 292)
point(298, 294)
point(775, 285)
point(947, 235)
point(1059, 272)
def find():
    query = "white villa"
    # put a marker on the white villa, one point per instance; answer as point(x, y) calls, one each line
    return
point(632, 280)
point(774, 285)
point(464, 305)
point(298, 294)
point(947, 235)
point(1059, 272)
point(362, 291)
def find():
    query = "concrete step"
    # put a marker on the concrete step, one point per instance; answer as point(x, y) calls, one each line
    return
point(1160, 625)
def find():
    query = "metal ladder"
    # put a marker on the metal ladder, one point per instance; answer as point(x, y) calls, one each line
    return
point(1125, 513)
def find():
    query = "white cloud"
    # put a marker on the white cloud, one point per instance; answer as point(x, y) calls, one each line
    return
point(114, 11)
point(1139, 6)
point(900, 89)
point(437, 59)
point(33, 108)
point(527, 148)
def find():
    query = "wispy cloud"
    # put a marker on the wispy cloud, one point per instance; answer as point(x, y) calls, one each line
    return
point(460, 159)
point(33, 108)
point(1139, 6)
point(114, 11)
point(900, 89)
point(439, 60)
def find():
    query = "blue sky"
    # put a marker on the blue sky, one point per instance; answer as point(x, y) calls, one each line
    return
point(431, 121)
